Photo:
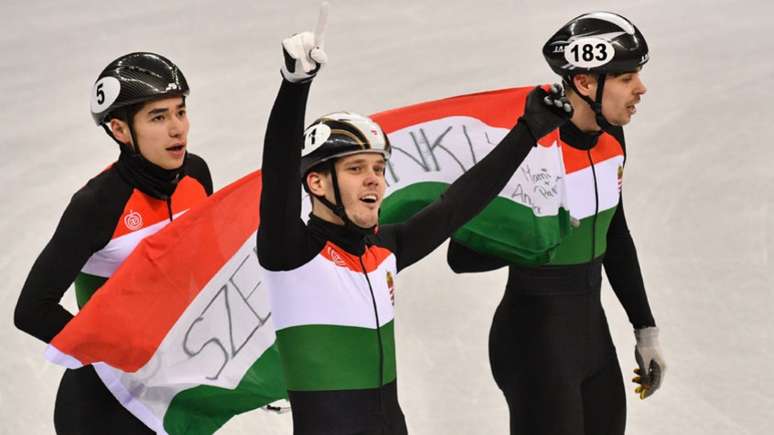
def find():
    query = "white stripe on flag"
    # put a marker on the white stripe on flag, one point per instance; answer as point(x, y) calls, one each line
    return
point(58, 357)
point(112, 379)
point(224, 330)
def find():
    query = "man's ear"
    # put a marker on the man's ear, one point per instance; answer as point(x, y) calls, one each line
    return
point(121, 131)
point(316, 182)
point(585, 84)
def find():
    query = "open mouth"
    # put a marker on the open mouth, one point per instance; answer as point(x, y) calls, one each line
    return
point(632, 108)
point(370, 198)
point(174, 148)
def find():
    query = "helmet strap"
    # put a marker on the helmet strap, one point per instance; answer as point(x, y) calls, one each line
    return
point(124, 147)
point(135, 144)
point(126, 116)
point(596, 104)
point(338, 207)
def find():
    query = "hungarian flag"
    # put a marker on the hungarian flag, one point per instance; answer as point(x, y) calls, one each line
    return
point(434, 143)
point(181, 333)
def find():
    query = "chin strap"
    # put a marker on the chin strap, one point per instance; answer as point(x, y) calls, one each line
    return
point(125, 148)
point(596, 104)
point(126, 116)
point(338, 207)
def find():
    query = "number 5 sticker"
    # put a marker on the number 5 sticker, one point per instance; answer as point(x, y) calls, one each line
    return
point(589, 52)
point(104, 93)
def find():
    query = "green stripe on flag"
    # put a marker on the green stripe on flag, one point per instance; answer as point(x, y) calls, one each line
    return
point(403, 203)
point(331, 357)
point(204, 409)
point(85, 286)
point(505, 228)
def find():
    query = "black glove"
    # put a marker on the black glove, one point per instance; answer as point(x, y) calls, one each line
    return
point(546, 111)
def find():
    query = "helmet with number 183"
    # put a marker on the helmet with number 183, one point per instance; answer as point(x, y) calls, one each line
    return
point(596, 43)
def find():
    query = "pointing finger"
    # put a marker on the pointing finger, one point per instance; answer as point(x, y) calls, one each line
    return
point(322, 24)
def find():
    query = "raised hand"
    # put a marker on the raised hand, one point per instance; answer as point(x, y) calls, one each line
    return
point(546, 111)
point(304, 52)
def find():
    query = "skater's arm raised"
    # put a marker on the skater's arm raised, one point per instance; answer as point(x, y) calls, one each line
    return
point(473, 191)
point(281, 230)
point(282, 233)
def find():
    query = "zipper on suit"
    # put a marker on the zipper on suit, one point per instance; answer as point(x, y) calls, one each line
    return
point(378, 334)
point(169, 207)
point(594, 219)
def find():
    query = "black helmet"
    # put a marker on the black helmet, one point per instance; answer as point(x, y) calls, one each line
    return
point(135, 78)
point(596, 42)
point(341, 134)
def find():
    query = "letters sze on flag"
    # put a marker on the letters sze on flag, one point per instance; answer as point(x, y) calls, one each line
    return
point(436, 142)
point(181, 334)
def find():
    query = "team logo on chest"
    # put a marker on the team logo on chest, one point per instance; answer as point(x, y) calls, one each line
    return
point(391, 287)
point(620, 178)
point(133, 220)
point(336, 258)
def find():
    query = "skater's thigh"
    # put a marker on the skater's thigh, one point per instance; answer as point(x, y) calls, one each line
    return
point(604, 401)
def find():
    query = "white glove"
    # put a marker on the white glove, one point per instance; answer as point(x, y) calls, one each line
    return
point(304, 52)
point(651, 364)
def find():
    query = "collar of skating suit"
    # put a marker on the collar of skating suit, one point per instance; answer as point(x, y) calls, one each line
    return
point(351, 239)
point(150, 179)
point(573, 136)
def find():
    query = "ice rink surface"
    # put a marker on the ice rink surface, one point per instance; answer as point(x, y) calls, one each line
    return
point(699, 178)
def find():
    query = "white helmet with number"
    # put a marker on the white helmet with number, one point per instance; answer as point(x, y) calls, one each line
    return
point(341, 134)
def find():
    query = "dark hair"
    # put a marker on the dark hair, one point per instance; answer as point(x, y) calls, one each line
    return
point(324, 169)
point(125, 114)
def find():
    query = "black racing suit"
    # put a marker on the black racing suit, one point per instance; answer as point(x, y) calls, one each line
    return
point(89, 242)
point(331, 286)
point(549, 346)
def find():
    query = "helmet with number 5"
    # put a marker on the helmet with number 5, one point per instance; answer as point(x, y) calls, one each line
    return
point(132, 79)
point(596, 42)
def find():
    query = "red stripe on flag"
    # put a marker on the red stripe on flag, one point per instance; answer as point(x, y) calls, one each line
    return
point(483, 105)
point(127, 318)
point(499, 109)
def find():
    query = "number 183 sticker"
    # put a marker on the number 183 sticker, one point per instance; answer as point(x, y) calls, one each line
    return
point(589, 52)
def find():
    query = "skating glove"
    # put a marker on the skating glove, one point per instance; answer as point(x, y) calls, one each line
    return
point(304, 52)
point(546, 111)
point(651, 364)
